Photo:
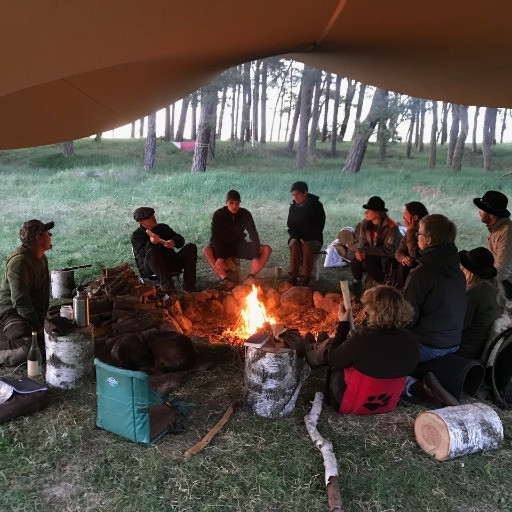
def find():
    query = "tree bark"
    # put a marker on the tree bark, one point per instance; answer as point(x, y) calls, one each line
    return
point(326, 105)
point(454, 132)
point(264, 76)
point(233, 112)
point(132, 133)
point(315, 114)
point(141, 127)
point(489, 125)
point(99, 136)
point(206, 125)
point(308, 83)
point(193, 123)
point(364, 131)
point(150, 152)
point(433, 137)
point(295, 121)
point(222, 109)
point(68, 148)
point(461, 139)
point(183, 118)
point(334, 129)
point(382, 131)
point(360, 101)
point(421, 144)
point(290, 106)
point(503, 125)
point(167, 128)
point(238, 93)
point(245, 135)
point(475, 124)
point(414, 119)
point(256, 101)
point(444, 123)
point(349, 97)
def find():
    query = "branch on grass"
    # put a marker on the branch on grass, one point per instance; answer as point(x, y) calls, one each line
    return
point(326, 449)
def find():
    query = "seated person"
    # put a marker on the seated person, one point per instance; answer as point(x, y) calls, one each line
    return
point(384, 350)
point(156, 255)
point(25, 293)
point(408, 251)
point(485, 300)
point(338, 252)
point(234, 235)
point(377, 238)
point(306, 221)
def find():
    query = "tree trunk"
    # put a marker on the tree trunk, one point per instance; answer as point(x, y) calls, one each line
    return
point(150, 152)
point(263, 128)
point(489, 124)
point(193, 124)
point(410, 133)
point(256, 101)
point(444, 123)
point(475, 124)
point(167, 128)
point(360, 101)
point(503, 125)
point(132, 133)
point(222, 108)
point(326, 105)
point(141, 127)
point(334, 129)
point(238, 93)
point(245, 135)
point(183, 118)
point(290, 106)
point(233, 112)
point(68, 148)
point(421, 144)
point(364, 131)
point(308, 84)
point(295, 121)
point(315, 114)
point(454, 132)
point(99, 136)
point(382, 131)
point(206, 125)
point(493, 128)
point(433, 137)
point(349, 97)
point(461, 139)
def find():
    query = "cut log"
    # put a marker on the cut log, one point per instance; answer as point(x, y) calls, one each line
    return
point(132, 304)
point(100, 306)
point(121, 313)
point(108, 272)
point(63, 283)
point(141, 323)
point(69, 358)
point(461, 430)
point(273, 380)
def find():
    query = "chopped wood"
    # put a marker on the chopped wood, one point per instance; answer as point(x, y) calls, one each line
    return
point(125, 303)
point(146, 291)
point(347, 302)
point(212, 433)
point(138, 324)
point(122, 313)
point(326, 449)
point(102, 331)
point(107, 272)
point(100, 306)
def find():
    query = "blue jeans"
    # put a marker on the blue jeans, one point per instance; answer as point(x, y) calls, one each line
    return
point(427, 354)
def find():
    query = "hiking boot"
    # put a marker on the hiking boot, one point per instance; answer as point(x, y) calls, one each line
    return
point(430, 390)
point(225, 285)
point(303, 281)
point(293, 280)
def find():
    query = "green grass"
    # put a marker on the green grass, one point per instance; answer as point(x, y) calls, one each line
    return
point(58, 460)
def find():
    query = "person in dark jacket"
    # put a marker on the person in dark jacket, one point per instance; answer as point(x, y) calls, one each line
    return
point(485, 300)
point(377, 238)
point(234, 235)
point(25, 293)
point(306, 221)
point(436, 289)
point(156, 254)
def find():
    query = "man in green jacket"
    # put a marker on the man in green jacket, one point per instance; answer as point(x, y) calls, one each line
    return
point(25, 293)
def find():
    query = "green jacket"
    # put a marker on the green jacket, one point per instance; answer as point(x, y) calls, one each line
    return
point(26, 286)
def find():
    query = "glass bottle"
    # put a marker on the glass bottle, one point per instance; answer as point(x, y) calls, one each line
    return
point(34, 358)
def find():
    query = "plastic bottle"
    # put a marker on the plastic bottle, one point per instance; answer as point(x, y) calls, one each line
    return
point(34, 358)
point(81, 307)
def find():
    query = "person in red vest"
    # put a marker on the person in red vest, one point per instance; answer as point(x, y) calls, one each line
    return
point(377, 239)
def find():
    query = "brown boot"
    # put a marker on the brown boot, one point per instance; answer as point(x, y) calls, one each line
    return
point(430, 390)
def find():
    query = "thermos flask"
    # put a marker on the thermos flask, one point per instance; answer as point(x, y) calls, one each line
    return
point(81, 307)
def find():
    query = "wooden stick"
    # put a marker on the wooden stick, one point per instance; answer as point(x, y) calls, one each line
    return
point(348, 305)
point(326, 449)
point(212, 433)
point(89, 265)
point(152, 235)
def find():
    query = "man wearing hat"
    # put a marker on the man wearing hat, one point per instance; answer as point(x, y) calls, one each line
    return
point(494, 214)
point(377, 238)
point(156, 254)
point(25, 293)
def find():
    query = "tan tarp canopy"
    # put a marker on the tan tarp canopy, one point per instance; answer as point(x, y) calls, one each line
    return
point(70, 68)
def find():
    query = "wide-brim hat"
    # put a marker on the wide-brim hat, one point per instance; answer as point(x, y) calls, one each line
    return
point(479, 261)
point(493, 202)
point(376, 204)
point(143, 213)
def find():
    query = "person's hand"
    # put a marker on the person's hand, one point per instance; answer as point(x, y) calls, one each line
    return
point(343, 314)
point(169, 244)
point(155, 239)
point(360, 255)
point(409, 222)
point(407, 261)
point(218, 268)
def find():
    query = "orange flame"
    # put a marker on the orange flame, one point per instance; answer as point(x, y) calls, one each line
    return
point(252, 317)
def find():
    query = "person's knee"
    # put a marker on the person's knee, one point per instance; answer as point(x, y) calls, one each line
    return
point(293, 243)
point(208, 251)
point(265, 250)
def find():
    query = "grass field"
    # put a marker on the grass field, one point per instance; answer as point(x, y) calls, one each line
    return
point(57, 459)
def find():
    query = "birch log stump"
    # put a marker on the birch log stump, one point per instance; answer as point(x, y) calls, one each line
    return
point(461, 430)
point(273, 380)
point(70, 358)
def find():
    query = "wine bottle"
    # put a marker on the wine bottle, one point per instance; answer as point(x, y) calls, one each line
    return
point(34, 358)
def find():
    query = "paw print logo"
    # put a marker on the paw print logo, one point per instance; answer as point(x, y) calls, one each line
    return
point(376, 402)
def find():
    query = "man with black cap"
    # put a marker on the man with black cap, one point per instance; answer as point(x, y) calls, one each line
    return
point(377, 238)
point(25, 293)
point(155, 254)
point(494, 214)
point(306, 221)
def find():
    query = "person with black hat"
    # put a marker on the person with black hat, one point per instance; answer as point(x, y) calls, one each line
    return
point(306, 221)
point(377, 238)
point(485, 300)
point(156, 255)
point(25, 293)
point(494, 214)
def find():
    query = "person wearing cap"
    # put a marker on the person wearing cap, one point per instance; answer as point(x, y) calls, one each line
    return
point(494, 214)
point(234, 235)
point(156, 254)
point(377, 238)
point(485, 300)
point(25, 293)
point(306, 221)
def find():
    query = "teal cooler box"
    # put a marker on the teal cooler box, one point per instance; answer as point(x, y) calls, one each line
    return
point(129, 407)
